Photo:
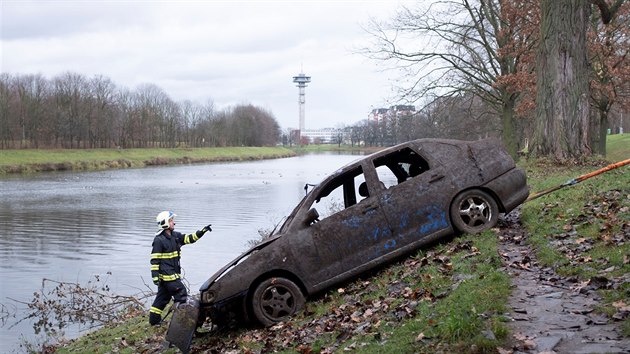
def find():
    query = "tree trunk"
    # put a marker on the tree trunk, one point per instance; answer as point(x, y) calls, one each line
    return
point(509, 130)
point(603, 132)
point(562, 107)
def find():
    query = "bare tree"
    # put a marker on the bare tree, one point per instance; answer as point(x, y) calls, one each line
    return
point(32, 94)
point(6, 133)
point(153, 106)
point(288, 137)
point(338, 137)
point(453, 47)
point(253, 126)
point(103, 119)
point(70, 118)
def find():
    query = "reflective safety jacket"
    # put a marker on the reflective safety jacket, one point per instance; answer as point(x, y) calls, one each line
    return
point(166, 254)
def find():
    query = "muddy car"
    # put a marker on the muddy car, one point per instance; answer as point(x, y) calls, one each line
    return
point(364, 215)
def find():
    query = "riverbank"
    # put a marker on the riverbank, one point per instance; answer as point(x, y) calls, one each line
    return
point(32, 161)
point(35, 160)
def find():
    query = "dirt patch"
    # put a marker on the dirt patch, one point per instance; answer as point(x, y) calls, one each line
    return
point(550, 313)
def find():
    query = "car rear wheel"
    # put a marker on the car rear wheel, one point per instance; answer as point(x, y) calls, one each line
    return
point(474, 211)
point(275, 299)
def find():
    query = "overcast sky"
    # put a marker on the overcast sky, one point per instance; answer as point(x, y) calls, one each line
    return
point(230, 52)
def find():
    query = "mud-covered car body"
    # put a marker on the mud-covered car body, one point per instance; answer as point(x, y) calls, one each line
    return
point(416, 193)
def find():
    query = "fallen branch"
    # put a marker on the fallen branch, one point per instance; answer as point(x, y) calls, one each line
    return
point(58, 304)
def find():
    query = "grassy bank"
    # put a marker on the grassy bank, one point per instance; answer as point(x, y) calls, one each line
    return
point(28, 161)
point(618, 147)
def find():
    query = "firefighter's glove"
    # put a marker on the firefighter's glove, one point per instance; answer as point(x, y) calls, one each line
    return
point(203, 231)
point(157, 282)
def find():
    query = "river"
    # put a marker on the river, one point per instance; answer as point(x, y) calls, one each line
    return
point(72, 227)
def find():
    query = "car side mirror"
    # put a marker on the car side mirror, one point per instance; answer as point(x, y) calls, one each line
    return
point(312, 216)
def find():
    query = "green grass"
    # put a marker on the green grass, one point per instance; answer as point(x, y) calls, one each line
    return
point(27, 161)
point(618, 147)
point(131, 336)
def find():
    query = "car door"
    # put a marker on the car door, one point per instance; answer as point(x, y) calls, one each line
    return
point(416, 197)
point(347, 238)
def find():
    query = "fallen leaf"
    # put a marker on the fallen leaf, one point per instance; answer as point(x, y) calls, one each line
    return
point(520, 336)
point(621, 306)
point(368, 313)
point(304, 349)
point(529, 344)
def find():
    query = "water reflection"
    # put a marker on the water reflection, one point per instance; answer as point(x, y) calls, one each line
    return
point(70, 226)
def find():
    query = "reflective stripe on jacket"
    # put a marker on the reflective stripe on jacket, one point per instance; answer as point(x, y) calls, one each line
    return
point(166, 254)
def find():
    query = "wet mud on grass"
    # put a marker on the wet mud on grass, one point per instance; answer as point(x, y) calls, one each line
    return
point(550, 313)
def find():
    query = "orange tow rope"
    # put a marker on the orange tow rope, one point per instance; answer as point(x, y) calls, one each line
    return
point(578, 179)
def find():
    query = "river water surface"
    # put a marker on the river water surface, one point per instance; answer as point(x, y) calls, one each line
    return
point(72, 226)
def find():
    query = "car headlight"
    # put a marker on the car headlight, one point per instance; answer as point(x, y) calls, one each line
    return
point(208, 297)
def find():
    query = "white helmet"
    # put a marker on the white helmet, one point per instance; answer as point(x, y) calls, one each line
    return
point(163, 218)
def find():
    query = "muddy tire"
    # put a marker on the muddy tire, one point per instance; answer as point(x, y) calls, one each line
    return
point(474, 211)
point(276, 299)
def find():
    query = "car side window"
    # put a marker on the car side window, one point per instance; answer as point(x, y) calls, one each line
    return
point(400, 166)
point(340, 193)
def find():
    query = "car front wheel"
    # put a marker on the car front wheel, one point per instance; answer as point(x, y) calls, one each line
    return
point(275, 299)
point(474, 211)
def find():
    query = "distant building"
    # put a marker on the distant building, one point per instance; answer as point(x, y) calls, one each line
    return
point(322, 136)
point(378, 115)
point(401, 110)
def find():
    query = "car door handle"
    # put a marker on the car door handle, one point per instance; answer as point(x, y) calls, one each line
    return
point(436, 178)
point(369, 207)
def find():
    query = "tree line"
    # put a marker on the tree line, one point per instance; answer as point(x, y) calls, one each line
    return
point(74, 111)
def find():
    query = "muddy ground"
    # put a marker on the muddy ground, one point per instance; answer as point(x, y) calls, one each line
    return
point(550, 313)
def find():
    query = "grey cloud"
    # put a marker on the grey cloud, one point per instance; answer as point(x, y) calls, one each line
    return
point(47, 19)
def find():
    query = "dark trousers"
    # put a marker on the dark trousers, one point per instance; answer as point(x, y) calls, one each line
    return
point(166, 290)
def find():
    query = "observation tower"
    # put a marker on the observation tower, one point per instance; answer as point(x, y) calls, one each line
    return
point(301, 80)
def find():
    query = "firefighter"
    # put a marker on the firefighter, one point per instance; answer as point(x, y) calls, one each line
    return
point(165, 267)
